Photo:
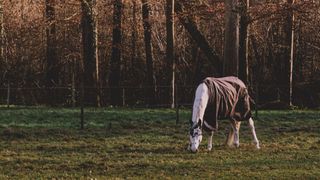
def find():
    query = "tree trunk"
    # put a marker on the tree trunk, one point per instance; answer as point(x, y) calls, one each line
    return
point(285, 80)
point(2, 41)
point(231, 48)
point(199, 38)
point(114, 76)
point(2, 45)
point(52, 69)
point(170, 49)
point(90, 53)
point(149, 55)
point(292, 20)
point(134, 36)
point(198, 65)
point(244, 44)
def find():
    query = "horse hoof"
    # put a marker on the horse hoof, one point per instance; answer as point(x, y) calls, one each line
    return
point(257, 144)
point(236, 145)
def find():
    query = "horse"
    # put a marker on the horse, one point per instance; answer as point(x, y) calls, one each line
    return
point(220, 98)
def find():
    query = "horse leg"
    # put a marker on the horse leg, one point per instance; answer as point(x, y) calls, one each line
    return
point(236, 133)
point(233, 136)
point(230, 137)
point(253, 131)
point(210, 141)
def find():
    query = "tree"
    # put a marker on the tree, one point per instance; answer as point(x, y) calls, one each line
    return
point(52, 67)
point(170, 48)
point(286, 57)
point(2, 46)
point(244, 42)
point(2, 42)
point(149, 55)
point(291, 19)
point(115, 62)
point(199, 38)
point(134, 36)
point(231, 47)
point(90, 54)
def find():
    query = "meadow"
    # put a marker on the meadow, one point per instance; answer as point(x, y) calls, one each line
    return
point(120, 143)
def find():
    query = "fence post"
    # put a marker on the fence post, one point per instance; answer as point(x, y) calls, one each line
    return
point(8, 95)
point(82, 117)
point(177, 105)
point(73, 88)
point(257, 100)
point(177, 114)
point(82, 107)
point(123, 97)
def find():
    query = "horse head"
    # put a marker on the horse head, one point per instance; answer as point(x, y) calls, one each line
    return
point(195, 136)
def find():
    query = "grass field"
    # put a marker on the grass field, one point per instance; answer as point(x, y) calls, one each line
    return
point(42, 143)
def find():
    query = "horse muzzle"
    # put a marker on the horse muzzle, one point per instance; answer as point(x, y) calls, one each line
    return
point(194, 149)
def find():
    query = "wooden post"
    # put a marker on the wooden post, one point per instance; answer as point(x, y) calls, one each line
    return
point(257, 100)
point(177, 114)
point(73, 88)
point(82, 107)
point(8, 95)
point(177, 106)
point(82, 117)
point(123, 97)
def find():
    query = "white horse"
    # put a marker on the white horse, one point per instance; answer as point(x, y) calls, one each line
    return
point(215, 93)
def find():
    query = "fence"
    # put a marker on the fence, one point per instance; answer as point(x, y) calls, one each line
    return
point(71, 97)
point(136, 96)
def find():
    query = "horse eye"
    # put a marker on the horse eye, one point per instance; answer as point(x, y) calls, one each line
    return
point(191, 132)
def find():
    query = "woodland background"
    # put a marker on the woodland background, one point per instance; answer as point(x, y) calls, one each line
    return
point(63, 53)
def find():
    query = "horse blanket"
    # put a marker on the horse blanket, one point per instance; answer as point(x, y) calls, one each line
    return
point(228, 98)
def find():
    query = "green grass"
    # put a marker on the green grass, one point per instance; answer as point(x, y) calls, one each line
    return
point(42, 143)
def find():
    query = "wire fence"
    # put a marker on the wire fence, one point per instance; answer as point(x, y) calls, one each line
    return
point(71, 97)
point(132, 97)
point(135, 97)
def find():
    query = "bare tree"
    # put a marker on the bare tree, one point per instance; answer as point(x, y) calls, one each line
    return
point(291, 20)
point(170, 48)
point(115, 62)
point(134, 35)
point(198, 47)
point(244, 42)
point(199, 38)
point(285, 67)
point(148, 48)
point(1, 34)
point(231, 47)
point(52, 67)
point(2, 46)
point(90, 54)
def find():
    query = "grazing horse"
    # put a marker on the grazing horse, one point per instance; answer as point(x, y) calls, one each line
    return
point(218, 98)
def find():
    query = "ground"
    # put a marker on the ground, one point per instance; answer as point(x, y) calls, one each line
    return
point(42, 143)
